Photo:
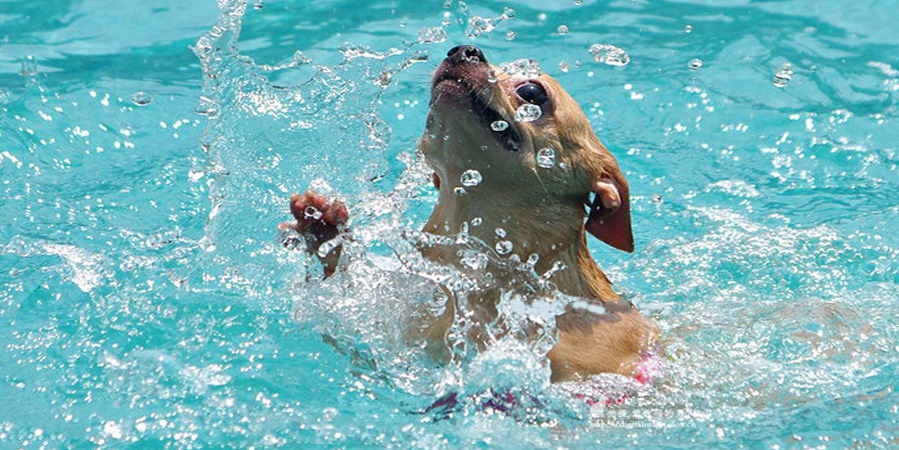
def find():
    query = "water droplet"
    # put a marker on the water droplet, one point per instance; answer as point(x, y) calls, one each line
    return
point(562, 29)
point(207, 244)
point(491, 76)
point(557, 266)
point(563, 66)
point(688, 29)
point(477, 221)
point(329, 414)
point(546, 158)
point(433, 35)
point(522, 68)
point(528, 113)
point(657, 198)
point(609, 54)
point(312, 213)
point(203, 47)
point(508, 13)
point(141, 98)
point(532, 259)
point(784, 75)
point(29, 67)
point(259, 5)
point(563, 166)
point(328, 246)
point(578, 2)
point(471, 178)
point(504, 247)
point(474, 260)
point(207, 107)
point(500, 232)
point(695, 64)
point(478, 25)
point(460, 191)
point(510, 35)
point(499, 125)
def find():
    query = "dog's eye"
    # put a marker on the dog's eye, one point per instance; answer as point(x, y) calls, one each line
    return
point(532, 93)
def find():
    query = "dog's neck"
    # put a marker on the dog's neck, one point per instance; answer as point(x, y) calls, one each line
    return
point(541, 224)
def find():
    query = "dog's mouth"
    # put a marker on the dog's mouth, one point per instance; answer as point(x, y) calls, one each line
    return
point(448, 81)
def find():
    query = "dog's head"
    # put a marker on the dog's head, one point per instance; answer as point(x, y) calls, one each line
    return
point(526, 137)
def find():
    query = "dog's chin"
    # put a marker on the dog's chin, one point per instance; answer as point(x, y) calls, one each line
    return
point(451, 95)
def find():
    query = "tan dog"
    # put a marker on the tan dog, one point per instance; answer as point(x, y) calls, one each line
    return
point(542, 209)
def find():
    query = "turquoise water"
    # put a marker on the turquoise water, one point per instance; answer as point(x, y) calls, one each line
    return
point(148, 149)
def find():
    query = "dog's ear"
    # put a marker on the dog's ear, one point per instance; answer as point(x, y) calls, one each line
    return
point(610, 211)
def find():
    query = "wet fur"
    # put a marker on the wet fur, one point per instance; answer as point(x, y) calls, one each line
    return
point(542, 210)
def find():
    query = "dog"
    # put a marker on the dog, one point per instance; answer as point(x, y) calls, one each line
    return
point(542, 182)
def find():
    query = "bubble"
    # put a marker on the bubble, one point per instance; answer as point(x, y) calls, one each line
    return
point(578, 2)
point(546, 158)
point(657, 198)
point(528, 113)
point(141, 98)
point(532, 259)
point(259, 5)
point(433, 35)
point(695, 64)
point(504, 247)
point(510, 35)
point(609, 54)
point(499, 125)
point(460, 191)
point(500, 232)
point(477, 221)
point(508, 13)
point(688, 29)
point(522, 68)
point(471, 178)
point(563, 66)
point(784, 75)
point(562, 29)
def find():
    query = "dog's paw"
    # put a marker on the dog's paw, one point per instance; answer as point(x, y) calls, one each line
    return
point(316, 215)
point(318, 221)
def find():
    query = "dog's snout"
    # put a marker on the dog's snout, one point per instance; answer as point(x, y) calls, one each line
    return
point(465, 53)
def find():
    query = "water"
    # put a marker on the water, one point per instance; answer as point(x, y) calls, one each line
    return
point(145, 301)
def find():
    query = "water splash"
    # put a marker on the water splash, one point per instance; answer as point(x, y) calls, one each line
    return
point(522, 68)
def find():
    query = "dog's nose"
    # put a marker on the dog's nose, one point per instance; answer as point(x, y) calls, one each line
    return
point(465, 53)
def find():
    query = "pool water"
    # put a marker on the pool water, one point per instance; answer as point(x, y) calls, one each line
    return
point(148, 149)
